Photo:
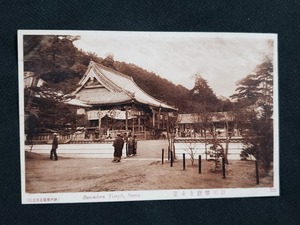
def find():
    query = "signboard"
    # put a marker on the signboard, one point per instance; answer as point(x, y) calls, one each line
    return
point(115, 114)
point(93, 114)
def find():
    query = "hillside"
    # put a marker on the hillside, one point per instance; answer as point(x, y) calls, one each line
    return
point(57, 61)
point(154, 85)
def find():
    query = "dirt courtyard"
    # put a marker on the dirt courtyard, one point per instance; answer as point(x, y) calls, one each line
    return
point(99, 175)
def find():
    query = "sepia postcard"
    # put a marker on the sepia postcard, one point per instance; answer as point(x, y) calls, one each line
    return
point(110, 116)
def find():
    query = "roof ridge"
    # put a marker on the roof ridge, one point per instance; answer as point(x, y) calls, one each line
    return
point(111, 84)
point(82, 79)
point(131, 78)
point(128, 93)
point(112, 70)
point(101, 73)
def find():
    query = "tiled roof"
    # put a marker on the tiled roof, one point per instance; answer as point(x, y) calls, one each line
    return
point(102, 96)
point(114, 87)
point(77, 102)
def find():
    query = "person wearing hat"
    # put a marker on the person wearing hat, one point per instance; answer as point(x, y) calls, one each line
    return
point(54, 147)
point(118, 148)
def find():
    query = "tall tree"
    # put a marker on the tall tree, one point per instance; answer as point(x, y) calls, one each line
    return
point(203, 94)
point(51, 58)
point(254, 100)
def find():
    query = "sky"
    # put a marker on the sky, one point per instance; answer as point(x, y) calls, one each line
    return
point(220, 58)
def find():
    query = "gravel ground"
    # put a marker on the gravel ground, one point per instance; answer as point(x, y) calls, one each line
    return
point(97, 175)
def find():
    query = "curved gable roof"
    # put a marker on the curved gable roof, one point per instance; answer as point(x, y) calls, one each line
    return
point(119, 85)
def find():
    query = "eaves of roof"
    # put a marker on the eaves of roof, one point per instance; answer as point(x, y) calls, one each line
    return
point(119, 88)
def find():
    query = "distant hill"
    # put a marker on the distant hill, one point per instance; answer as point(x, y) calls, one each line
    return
point(154, 85)
point(57, 61)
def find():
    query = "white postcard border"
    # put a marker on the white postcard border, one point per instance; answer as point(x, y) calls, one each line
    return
point(145, 195)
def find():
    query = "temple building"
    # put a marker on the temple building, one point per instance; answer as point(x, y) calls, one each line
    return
point(112, 101)
point(195, 124)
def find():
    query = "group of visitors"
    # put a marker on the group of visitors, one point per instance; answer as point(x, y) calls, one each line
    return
point(130, 143)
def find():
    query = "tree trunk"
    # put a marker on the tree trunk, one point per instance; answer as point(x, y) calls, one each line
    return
point(227, 141)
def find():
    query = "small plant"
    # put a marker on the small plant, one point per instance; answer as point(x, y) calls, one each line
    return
point(244, 155)
point(191, 149)
point(216, 152)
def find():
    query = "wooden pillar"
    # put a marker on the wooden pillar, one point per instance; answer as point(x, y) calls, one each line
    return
point(153, 117)
point(132, 125)
point(99, 119)
point(164, 120)
point(158, 119)
point(139, 123)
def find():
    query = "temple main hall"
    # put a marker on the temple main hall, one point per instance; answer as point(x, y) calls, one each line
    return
point(112, 101)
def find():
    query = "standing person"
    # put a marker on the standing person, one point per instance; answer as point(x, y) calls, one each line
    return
point(54, 147)
point(134, 140)
point(118, 147)
point(126, 143)
point(130, 145)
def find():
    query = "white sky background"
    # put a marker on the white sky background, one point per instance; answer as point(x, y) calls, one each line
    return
point(221, 59)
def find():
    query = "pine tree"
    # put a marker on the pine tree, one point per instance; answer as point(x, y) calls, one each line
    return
point(254, 110)
point(51, 58)
point(203, 94)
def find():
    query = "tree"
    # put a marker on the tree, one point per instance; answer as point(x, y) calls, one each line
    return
point(228, 134)
point(51, 111)
point(202, 93)
point(226, 115)
point(31, 124)
point(256, 88)
point(109, 61)
point(191, 148)
point(171, 124)
point(46, 53)
point(59, 63)
point(203, 122)
point(216, 151)
point(254, 98)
